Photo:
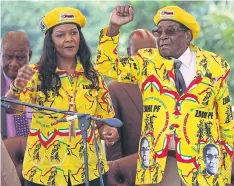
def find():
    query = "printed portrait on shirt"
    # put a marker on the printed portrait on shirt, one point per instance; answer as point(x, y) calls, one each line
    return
point(145, 151)
point(211, 158)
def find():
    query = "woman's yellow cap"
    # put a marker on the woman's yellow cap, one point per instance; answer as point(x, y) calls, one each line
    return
point(61, 15)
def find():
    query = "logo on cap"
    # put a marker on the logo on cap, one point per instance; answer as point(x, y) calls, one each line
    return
point(67, 16)
point(167, 14)
point(42, 26)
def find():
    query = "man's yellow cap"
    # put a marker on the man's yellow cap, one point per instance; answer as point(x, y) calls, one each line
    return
point(61, 15)
point(177, 14)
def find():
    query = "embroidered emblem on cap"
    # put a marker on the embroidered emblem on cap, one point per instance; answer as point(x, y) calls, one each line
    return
point(67, 16)
point(42, 26)
point(167, 13)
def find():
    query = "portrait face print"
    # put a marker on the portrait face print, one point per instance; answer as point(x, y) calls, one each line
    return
point(145, 152)
point(211, 159)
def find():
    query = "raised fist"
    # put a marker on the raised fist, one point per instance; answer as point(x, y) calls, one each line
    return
point(25, 74)
point(121, 15)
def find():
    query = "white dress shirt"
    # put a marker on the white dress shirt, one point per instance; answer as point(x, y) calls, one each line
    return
point(188, 70)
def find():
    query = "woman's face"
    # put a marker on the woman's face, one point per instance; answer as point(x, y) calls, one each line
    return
point(66, 39)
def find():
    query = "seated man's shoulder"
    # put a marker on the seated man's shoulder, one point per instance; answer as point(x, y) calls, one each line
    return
point(116, 84)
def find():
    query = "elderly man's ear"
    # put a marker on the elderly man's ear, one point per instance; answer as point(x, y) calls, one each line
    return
point(189, 35)
point(128, 51)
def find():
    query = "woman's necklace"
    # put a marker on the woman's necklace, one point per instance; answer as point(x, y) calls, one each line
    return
point(72, 97)
point(72, 102)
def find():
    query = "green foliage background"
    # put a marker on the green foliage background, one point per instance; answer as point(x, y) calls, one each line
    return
point(215, 17)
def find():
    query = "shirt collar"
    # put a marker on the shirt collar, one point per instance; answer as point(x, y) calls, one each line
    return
point(186, 57)
point(79, 68)
point(7, 81)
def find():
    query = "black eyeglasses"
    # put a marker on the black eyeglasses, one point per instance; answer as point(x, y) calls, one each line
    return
point(168, 31)
point(211, 156)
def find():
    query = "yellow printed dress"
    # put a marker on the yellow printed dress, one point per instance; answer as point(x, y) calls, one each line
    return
point(200, 119)
point(50, 156)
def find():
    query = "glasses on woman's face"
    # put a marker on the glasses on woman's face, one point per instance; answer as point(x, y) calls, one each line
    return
point(168, 31)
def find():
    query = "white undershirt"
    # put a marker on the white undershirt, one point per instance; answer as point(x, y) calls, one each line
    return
point(188, 70)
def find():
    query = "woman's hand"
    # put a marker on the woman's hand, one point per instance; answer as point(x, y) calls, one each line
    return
point(24, 75)
point(109, 134)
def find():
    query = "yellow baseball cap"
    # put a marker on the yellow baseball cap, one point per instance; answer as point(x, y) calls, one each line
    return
point(177, 14)
point(61, 15)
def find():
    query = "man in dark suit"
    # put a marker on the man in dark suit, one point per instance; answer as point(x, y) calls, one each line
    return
point(15, 53)
point(127, 102)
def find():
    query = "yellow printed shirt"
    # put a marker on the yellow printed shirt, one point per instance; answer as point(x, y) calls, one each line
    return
point(200, 119)
point(50, 156)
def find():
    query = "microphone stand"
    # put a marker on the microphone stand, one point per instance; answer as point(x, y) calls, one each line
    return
point(84, 123)
point(97, 155)
point(15, 101)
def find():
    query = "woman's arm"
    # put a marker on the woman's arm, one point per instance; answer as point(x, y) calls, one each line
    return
point(17, 87)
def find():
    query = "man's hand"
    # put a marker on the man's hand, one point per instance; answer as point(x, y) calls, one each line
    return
point(121, 15)
point(109, 134)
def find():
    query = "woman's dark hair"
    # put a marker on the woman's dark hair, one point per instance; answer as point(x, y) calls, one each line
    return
point(50, 80)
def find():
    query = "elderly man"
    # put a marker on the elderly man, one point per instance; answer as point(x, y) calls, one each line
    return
point(127, 102)
point(15, 52)
point(186, 102)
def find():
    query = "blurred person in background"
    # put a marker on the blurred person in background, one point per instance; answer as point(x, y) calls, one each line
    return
point(9, 176)
point(15, 53)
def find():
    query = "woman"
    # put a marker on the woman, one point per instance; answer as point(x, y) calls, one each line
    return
point(63, 79)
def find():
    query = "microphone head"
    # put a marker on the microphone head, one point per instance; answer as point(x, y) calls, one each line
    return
point(113, 122)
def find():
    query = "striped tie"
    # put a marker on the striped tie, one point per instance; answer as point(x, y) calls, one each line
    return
point(179, 79)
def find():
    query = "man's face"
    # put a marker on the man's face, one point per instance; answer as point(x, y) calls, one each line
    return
point(172, 39)
point(212, 160)
point(145, 152)
point(14, 54)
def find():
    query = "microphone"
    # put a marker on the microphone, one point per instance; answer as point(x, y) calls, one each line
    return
point(5, 106)
point(70, 118)
point(112, 122)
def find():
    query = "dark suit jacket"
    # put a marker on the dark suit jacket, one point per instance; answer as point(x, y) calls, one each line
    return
point(128, 106)
point(3, 112)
